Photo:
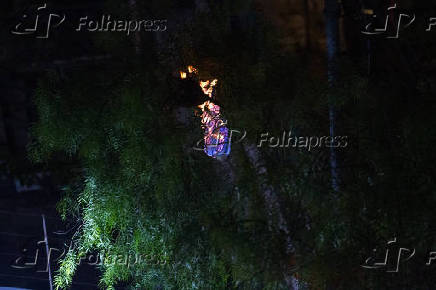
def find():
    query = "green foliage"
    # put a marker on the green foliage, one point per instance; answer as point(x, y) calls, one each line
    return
point(139, 193)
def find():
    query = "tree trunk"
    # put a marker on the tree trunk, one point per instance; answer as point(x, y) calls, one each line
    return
point(307, 24)
point(276, 220)
point(332, 36)
point(137, 41)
